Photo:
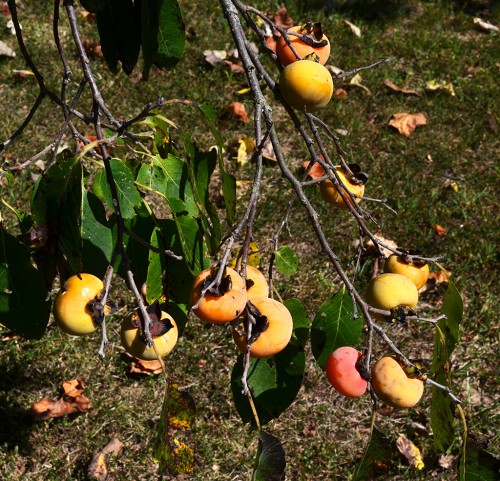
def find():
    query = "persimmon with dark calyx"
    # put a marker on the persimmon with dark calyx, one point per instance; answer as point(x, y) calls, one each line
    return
point(417, 271)
point(271, 332)
point(73, 311)
point(343, 374)
point(389, 291)
point(312, 41)
point(354, 184)
point(256, 283)
point(306, 85)
point(393, 386)
point(135, 343)
point(222, 303)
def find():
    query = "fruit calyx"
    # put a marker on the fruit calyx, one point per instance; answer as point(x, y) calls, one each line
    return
point(260, 323)
point(217, 290)
point(411, 368)
point(311, 33)
point(157, 326)
point(362, 369)
point(407, 257)
point(357, 177)
point(400, 314)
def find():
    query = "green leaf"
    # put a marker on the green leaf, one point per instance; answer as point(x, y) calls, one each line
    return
point(445, 339)
point(286, 260)
point(24, 300)
point(478, 465)
point(97, 235)
point(301, 321)
point(23, 218)
point(334, 326)
point(128, 195)
point(377, 458)
point(193, 244)
point(274, 382)
point(57, 202)
point(270, 461)
point(156, 268)
point(178, 413)
point(163, 37)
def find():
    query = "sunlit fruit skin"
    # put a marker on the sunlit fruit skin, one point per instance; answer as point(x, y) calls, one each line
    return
point(388, 291)
point(306, 85)
point(332, 195)
point(135, 346)
point(391, 384)
point(342, 373)
point(278, 333)
point(286, 56)
point(70, 307)
point(418, 275)
point(260, 287)
point(220, 309)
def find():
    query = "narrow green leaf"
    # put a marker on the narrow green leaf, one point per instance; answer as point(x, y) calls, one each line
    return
point(128, 195)
point(270, 461)
point(156, 268)
point(163, 37)
point(286, 260)
point(445, 339)
point(24, 300)
point(334, 326)
point(377, 458)
point(274, 382)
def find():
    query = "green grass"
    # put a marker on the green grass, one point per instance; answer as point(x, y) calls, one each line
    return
point(324, 435)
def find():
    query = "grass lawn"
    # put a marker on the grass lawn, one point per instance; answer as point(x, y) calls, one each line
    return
point(445, 173)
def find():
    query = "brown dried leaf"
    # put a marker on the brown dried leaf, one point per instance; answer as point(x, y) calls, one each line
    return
point(236, 68)
point(73, 388)
point(386, 252)
point(98, 468)
point(114, 447)
point(407, 123)
point(340, 93)
point(282, 19)
point(355, 30)
point(48, 408)
point(440, 230)
point(410, 452)
point(138, 366)
point(486, 26)
point(316, 171)
point(4, 8)
point(440, 276)
point(271, 43)
point(238, 109)
point(447, 461)
point(394, 87)
point(92, 49)
point(213, 57)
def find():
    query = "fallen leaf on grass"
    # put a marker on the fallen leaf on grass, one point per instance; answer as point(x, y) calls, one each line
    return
point(213, 57)
point(247, 146)
point(447, 461)
point(6, 51)
point(23, 74)
point(369, 245)
point(439, 277)
point(440, 230)
point(73, 388)
point(486, 26)
point(356, 81)
point(93, 49)
point(48, 408)
point(410, 452)
point(238, 109)
point(340, 93)
point(355, 30)
point(138, 366)
point(406, 123)
point(436, 85)
point(394, 87)
point(283, 19)
point(236, 68)
point(98, 468)
point(4, 8)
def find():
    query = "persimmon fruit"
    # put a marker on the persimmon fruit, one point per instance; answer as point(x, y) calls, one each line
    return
point(331, 193)
point(222, 304)
point(72, 311)
point(272, 331)
point(343, 374)
point(315, 42)
point(256, 283)
point(306, 85)
point(388, 291)
point(417, 271)
point(135, 344)
point(393, 386)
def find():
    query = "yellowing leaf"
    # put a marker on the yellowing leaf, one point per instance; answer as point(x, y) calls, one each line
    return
point(356, 81)
point(407, 123)
point(442, 85)
point(454, 186)
point(244, 91)
point(394, 87)
point(253, 255)
point(410, 452)
point(247, 146)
